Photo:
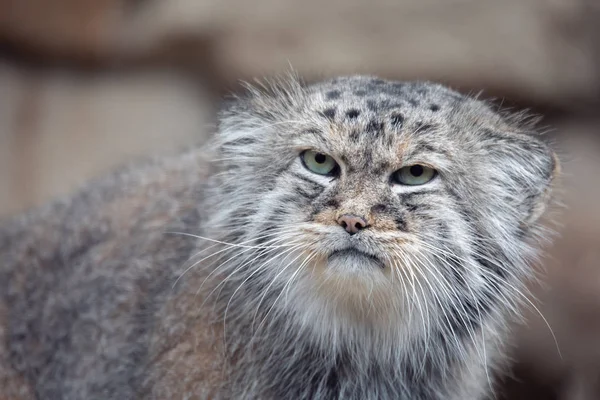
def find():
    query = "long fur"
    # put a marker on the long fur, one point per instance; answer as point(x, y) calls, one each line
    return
point(423, 316)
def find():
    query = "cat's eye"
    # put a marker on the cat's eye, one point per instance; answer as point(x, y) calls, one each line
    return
point(319, 163)
point(413, 175)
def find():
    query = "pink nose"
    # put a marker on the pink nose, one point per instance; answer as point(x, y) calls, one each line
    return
point(352, 223)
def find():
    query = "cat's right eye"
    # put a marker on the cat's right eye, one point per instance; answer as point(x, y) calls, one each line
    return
point(414, 175)
point(319, 163)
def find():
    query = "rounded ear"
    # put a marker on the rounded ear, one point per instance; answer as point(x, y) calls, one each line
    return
point(526, 167)
point(545, 196)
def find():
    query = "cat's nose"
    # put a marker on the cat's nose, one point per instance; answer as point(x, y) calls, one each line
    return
point(352, 223)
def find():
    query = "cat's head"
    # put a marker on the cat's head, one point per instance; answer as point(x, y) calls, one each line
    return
point(369, 196)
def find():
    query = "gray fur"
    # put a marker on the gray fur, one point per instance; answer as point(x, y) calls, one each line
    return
point(230, 273)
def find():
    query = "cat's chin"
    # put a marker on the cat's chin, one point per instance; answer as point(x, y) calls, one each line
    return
point(353, 262)
point(350, 287)
point(351, 274)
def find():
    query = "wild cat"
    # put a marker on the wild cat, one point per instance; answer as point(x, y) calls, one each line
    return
point(352, 239)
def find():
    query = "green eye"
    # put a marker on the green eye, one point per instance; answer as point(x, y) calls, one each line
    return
point(414, 175)
point(319, 163)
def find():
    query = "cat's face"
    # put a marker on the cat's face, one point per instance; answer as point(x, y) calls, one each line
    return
point(369, 194)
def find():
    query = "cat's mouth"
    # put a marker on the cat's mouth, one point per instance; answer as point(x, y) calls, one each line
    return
point(353, 256)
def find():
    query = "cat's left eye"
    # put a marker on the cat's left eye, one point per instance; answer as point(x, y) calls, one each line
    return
point(414, 175)
point(319, 163)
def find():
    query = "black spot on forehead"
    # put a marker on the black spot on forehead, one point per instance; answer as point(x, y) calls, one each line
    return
point(333, 94)
point(329, 113)
point(374, 126)
point(389, 96)
point(352, 113)
point(397, 120)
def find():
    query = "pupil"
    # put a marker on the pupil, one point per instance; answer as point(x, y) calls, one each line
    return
point(320, 158)
point(416, 170)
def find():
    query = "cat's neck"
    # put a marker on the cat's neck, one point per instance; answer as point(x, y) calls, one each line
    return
point(271, 355)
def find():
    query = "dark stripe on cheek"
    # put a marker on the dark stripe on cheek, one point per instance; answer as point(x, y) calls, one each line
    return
point(443, 231)
point(491, 266)
point(265, 231)
point(311, 195)
point(473, 305)
point(452, 265)
point(491, 258)
point(467, 314)
point(313, 184)
point(328, 201)
point(405, 197)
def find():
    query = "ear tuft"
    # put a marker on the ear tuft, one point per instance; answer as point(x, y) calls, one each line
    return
point(527, 167)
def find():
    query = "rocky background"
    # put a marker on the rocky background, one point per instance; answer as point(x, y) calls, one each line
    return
point(86, 85)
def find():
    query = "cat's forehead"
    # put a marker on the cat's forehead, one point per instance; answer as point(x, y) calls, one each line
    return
point(391, 118)
point(359, 97)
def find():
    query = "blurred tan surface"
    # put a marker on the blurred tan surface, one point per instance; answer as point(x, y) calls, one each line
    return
point(540, 50)
point(86, 85)
point(57, 130)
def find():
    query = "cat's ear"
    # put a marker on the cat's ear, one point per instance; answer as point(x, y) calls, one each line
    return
point(526, 167)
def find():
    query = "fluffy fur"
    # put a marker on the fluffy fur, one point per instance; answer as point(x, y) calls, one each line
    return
point(159, 282)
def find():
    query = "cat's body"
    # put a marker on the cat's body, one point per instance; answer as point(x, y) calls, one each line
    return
point(343, 285)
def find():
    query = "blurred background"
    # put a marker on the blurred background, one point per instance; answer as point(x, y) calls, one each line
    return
point(86, 85)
